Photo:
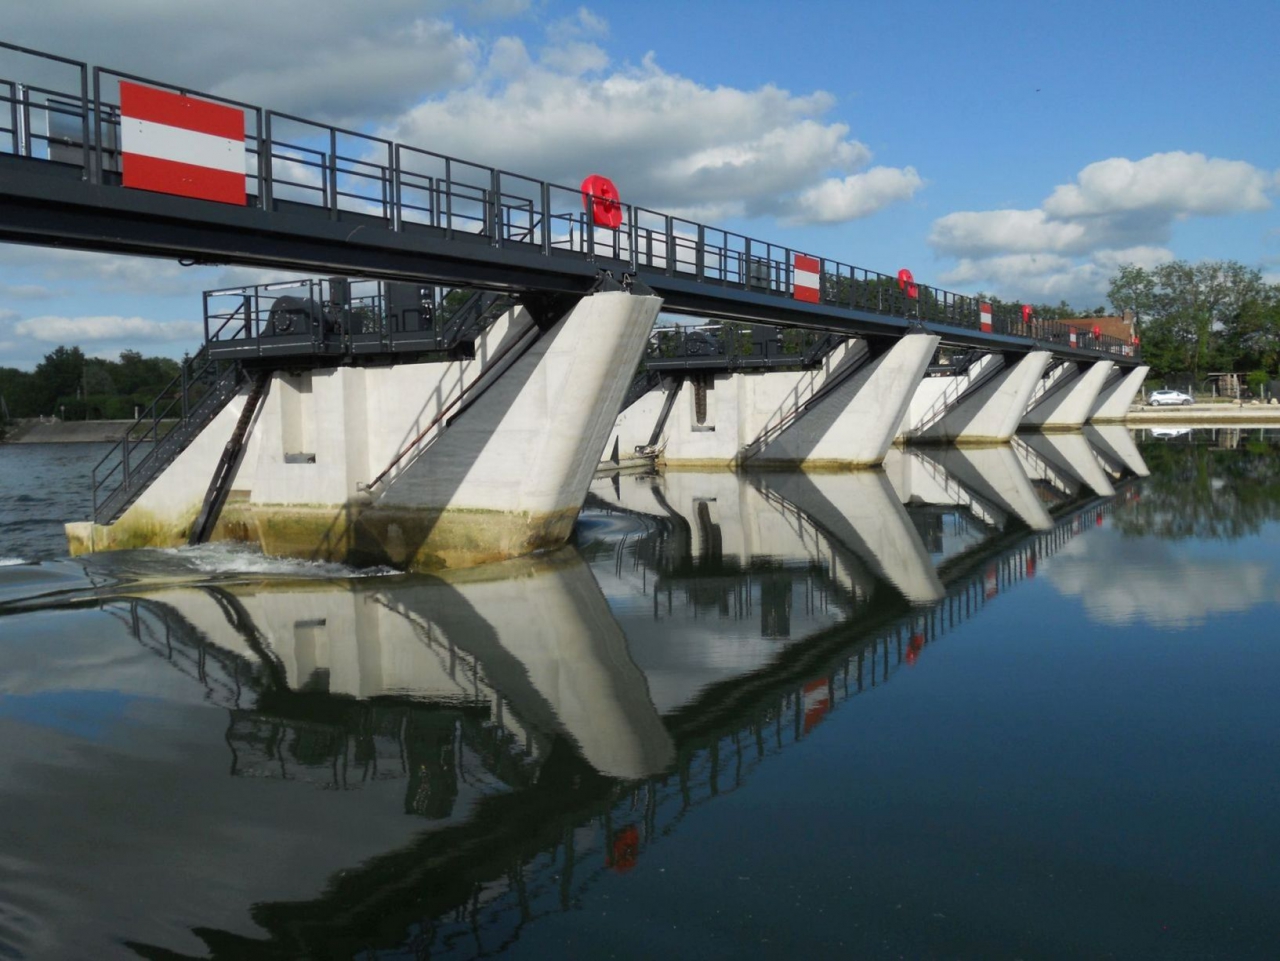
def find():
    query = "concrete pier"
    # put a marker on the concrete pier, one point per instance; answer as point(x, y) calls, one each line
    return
point(422, 466)
point(989, 414)
point(844, 414)
point(1112, 405)
point(1070, 402)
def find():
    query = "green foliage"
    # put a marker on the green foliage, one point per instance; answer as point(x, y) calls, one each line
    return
point(65, 380)
point(1199, 491)
point(1216, 314)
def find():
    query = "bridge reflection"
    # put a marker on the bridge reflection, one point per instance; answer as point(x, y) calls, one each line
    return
point(553, 718)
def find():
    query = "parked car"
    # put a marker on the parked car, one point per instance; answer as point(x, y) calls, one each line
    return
point(1163, 398)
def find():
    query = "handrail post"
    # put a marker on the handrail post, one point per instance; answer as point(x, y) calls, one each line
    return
point(495, 209)
point(86, 172)
point(266, 186)
point(397, 190)
point(448, 198)
point(700, 252)
point(545, 196)
point(671, 252)
point(333, 174)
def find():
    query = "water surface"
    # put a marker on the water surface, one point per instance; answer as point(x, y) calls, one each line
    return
point(1005, 703)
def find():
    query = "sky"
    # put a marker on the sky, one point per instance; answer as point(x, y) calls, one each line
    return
point(1021, 149)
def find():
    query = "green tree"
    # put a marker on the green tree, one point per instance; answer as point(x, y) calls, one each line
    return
point(1252, 334)
point(58, 375)
point(1185, 310)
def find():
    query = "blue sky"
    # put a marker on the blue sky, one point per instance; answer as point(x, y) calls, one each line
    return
point(1022, 149)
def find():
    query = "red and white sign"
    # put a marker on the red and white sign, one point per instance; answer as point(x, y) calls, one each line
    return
point(806, 285)
point(179, 145)
point(1073, 337)
point(984, 318)
point(817, 701)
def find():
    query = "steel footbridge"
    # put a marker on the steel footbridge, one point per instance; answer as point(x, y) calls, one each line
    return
point(316, 198)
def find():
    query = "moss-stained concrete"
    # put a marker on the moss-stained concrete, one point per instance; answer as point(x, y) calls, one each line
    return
point(137, 528)
point(418, 540)
point(407, 538)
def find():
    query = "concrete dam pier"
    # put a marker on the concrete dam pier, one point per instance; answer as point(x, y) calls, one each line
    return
point(417, 465)
point(409, 428)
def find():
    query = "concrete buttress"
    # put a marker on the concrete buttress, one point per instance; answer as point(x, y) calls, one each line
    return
point(424, 465)
point(1112, 405)
point(1069, 405)
point(992, 413)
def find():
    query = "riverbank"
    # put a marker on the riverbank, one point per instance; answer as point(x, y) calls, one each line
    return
point(67, 432)
point(1227, 415)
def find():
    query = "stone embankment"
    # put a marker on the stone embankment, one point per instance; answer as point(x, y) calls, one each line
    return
point(1225, 414)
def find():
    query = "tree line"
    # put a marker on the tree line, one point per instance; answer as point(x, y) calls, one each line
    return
point(1213, 316)
point(70, 385)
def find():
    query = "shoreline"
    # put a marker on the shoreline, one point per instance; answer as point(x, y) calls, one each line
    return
point(68, 432)
point(1194, 415)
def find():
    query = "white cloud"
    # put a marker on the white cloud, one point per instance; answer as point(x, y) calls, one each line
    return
point(326, 59)
point(1051, 277)
point(1181, 184)
point(980, 233)
point(25, 291)
point(74, 330)
point(1126, 580)
point(1117, 211)
point(858, 195)
point(668, 142)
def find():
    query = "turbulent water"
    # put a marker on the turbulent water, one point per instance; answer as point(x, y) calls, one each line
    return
point(1015, 702)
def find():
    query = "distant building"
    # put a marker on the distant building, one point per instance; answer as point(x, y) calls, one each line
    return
point(1121, 327)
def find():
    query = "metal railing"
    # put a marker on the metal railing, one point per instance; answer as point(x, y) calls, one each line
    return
point(336, 316)
point(202, 388)
point(297, 165)
point(735, 346)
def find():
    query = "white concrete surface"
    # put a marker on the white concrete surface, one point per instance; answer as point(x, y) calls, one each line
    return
point(532, 442)
point(1068, 406)
point(854, 424)
point(935, 393)
point(526, 448)
point(1112, 405)
point(993, 412)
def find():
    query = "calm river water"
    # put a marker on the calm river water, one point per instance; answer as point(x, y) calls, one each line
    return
point(1007, 703)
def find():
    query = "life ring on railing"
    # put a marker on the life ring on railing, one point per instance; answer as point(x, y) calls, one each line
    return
point(600, 198)
point(1026, 313)
point(907, 284)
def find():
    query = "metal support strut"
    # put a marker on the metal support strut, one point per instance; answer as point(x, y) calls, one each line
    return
point(220, 483)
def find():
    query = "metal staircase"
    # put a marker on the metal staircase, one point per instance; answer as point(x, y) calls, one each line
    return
point(473, 315)
point(165, 429)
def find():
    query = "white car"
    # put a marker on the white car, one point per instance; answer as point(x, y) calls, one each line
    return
point(1161, 398)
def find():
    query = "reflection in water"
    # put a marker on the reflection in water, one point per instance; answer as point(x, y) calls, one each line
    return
point(547, 721)
point(1211, 490)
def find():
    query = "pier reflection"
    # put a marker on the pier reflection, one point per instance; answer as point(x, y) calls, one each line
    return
point(550, 719)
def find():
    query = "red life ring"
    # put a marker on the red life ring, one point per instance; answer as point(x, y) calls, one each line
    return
point(600, 197)
point(1026, 313)
point(907, 284)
